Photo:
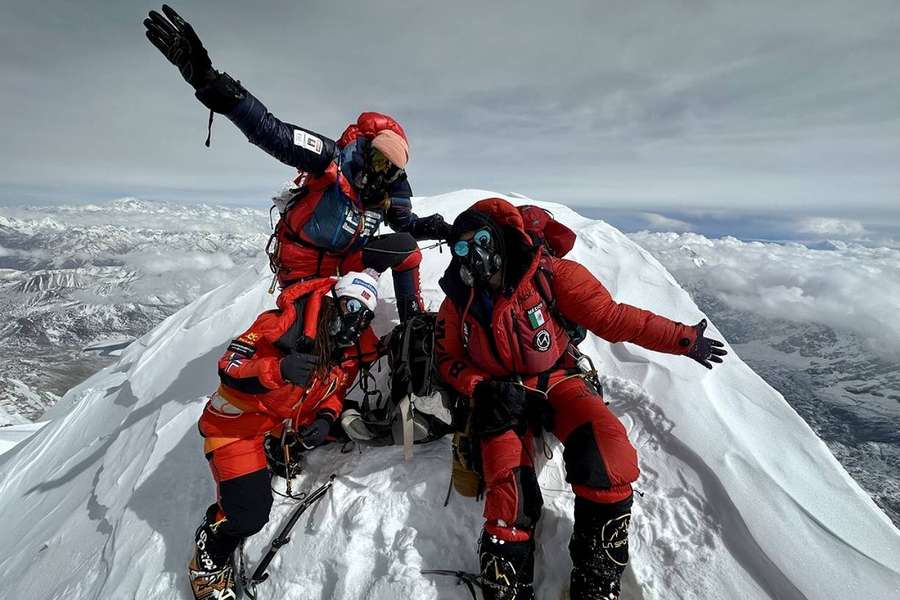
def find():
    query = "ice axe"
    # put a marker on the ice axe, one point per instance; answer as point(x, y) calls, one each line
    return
point(283, 537)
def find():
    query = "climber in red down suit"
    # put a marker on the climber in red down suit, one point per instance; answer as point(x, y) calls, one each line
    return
point(503, 339)
point(292, 366)
point(345, 189)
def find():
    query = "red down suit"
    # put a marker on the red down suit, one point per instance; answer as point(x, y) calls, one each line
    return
point(326, 227)
point(514, 334)
point(253, 398)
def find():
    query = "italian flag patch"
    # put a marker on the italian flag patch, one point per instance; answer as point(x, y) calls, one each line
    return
point(535, 316)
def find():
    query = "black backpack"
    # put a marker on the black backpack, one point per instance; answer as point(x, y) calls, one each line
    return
point(419, 408)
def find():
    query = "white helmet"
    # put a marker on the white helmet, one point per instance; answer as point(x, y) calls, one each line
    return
point(362, 286)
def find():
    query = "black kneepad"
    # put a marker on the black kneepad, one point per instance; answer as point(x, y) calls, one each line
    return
point(584, 462)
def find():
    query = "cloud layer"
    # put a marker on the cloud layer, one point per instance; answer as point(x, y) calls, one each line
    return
point(649, 105)
point(849, 287)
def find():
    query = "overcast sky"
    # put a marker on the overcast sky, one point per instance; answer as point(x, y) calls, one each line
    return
point(652, 106)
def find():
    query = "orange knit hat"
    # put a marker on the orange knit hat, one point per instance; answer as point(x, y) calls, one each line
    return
point(393, 146)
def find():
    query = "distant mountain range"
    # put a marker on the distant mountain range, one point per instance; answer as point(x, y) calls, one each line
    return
point(73, 277)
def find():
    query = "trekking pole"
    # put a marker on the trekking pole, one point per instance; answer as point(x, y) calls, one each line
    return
point(283, 537)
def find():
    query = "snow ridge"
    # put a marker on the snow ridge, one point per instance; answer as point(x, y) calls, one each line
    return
point(740, 498)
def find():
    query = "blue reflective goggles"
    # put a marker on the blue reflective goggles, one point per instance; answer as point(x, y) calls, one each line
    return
point(352, 305)
point(482, 238)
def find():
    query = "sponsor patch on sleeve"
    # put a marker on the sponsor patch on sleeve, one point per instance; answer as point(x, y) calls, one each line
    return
point(307, 141)
point(234, 361)
point(242, 348)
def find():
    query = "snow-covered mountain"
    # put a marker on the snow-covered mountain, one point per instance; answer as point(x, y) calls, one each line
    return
point(78, 276)
point(740, 498)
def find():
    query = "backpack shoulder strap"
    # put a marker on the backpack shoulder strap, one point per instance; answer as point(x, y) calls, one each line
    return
point(543, 282)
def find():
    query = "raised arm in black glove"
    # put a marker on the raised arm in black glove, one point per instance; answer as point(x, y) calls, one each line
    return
point(179, 43)
point(314, 434)
point(298, 368)
point(503, 405)
point(706, 350)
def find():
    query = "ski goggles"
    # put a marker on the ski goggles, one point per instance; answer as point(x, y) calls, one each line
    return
point(383, 168)
point(481, 238)
point(353, 319)
point(350, 306)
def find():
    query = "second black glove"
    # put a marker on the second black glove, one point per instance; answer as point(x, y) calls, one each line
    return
point(706, 350)
point(432, 227)
point(315, 433)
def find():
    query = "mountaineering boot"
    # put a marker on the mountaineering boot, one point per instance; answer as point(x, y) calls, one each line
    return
point(599, 549)
point(211, 569)
point(507, 568)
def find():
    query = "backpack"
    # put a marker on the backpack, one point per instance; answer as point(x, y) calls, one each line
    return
point(418, 408)
point(544, 230)
point(555, 240)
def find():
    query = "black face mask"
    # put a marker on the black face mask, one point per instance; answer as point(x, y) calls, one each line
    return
point(479, 266)
point(346, 326)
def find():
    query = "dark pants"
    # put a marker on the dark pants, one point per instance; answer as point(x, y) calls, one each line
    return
point(400, 253)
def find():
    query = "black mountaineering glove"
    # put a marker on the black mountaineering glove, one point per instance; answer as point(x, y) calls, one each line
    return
point(430, 228)
point(178, 42)
point(221, 94)
point(502, 405)
point(314, 434)
point(705, 350)
point(298, 368)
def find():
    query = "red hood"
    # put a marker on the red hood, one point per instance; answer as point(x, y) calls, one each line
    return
point(502, 213)
point(368, 125)
point(297, 290)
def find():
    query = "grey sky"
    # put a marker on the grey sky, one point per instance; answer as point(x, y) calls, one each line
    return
point(648, 105)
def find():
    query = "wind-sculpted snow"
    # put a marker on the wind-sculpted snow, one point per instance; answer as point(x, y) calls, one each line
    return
point(739, 498)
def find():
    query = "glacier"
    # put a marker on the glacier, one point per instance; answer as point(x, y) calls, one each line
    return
point(738, 497)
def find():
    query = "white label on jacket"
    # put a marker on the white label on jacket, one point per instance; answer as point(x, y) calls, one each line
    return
point(307, 141)
point(351, 220)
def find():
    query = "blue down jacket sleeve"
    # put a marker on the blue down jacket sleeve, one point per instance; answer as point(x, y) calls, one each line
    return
point(300, 148)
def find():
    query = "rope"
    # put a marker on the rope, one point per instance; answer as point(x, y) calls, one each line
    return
point(404, 252)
